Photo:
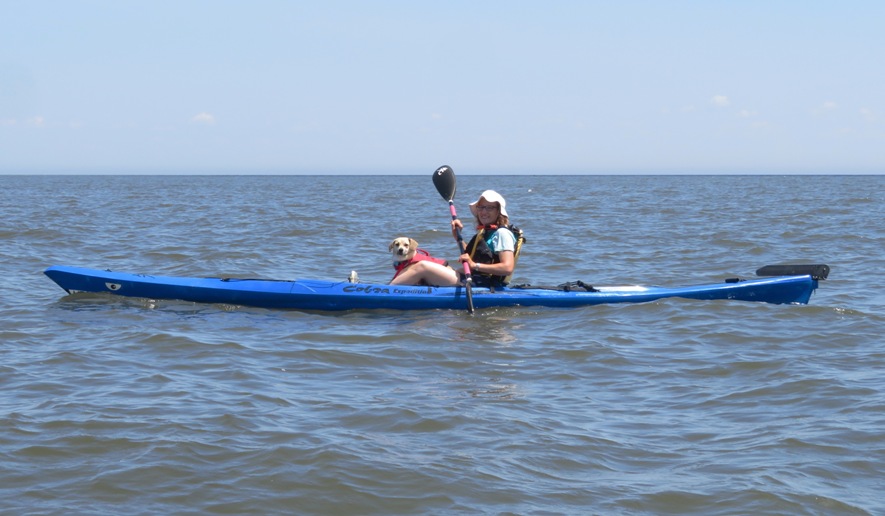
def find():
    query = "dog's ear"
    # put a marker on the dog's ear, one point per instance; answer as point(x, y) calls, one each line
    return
point(413, 244)
point(390, 247)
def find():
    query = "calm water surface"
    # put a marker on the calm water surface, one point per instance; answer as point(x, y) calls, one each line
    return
point(134, 406)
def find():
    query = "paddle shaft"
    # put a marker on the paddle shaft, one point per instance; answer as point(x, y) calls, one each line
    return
point(460, 242)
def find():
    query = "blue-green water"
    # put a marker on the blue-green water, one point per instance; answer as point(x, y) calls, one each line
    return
point(113, 406)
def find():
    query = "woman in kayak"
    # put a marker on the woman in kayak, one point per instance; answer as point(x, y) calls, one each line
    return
point(490, 253)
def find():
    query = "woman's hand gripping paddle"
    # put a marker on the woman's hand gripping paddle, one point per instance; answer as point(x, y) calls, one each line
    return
point(444, 181)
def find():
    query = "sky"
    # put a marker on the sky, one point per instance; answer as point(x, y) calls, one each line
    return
point(402, 87)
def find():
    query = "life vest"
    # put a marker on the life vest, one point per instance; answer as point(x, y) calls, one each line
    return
point(420, 256)
point(480, 252)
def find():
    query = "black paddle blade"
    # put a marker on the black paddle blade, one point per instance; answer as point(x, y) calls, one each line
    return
point(444, 181)
point(470, 308)
point(816, 271)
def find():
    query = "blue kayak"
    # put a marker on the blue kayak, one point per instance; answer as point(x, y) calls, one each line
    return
point(782, 284)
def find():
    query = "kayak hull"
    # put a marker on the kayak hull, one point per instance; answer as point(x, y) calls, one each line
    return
point(334, 296)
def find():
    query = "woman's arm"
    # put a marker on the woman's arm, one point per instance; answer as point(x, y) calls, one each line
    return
point(503, 268)
point(456, 225)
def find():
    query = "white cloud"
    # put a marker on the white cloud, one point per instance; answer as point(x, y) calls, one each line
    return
point(824, 108)
point(37, 121)
point(747, 113)
point(720, 100)
point(8, 121)
point(867, 114)
point(203, 118)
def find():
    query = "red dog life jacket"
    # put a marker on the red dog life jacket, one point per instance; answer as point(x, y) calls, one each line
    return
point(420, 256)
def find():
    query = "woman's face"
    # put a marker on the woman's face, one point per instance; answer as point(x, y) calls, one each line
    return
point(487, 212)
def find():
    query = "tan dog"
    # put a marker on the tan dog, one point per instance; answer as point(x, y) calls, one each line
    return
point(403, 249)
point(405, 252)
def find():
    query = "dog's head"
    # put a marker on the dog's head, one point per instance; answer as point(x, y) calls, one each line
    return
point(403, 248)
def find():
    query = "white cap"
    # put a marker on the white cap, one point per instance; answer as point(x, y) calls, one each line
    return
point(491, 196)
